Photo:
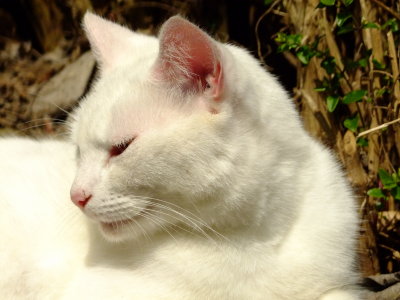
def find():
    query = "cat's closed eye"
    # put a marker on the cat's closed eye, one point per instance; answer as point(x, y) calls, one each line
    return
point(118, 149)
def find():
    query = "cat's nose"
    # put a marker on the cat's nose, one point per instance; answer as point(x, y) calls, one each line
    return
point(80, 198)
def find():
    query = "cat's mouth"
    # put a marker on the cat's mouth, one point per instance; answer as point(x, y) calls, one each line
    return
point(116, 225)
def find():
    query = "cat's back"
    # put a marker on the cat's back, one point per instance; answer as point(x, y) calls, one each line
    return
point(26, 166)
point(36, 219)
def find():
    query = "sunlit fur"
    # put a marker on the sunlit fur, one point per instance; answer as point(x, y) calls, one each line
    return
point(234, 203)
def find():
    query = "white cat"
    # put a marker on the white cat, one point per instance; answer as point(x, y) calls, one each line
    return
point(197, 177)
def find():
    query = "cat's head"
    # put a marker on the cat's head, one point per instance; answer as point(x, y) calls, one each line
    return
point(160, 139)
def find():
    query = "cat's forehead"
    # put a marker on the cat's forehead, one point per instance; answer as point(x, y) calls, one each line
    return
point(148, 107)
point(131, 108)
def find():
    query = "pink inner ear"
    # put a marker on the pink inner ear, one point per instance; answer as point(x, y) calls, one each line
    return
point(188, 56)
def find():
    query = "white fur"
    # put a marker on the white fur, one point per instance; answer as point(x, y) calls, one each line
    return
point(249, 206)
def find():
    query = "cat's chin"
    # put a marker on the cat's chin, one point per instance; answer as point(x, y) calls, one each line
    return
point(119, 231)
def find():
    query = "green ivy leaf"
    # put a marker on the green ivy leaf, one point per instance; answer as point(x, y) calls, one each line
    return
point(347, 2)
point(329, 64)
point(378, 65)
point(288, 41)
point(380, 92)
point(362, 142)
point(354, 96)
point(280, 37)
point(352, 123)
point(327, 2)
point(350, 64)
point(396, 193)
point(363, 62)
point(345, 29)
point(282, 48)
point(393, 24)
point(332, 102)
point(386, 179)
point(294, 39)
point(320, 89)
point(303, 57)
point(370, 25)
point(342, 17)
point(304, 54)
point(395, 177)
point(375, 192)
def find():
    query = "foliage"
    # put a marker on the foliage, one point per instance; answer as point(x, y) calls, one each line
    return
point(347, 62)
point(389, 186)
point(331, 83)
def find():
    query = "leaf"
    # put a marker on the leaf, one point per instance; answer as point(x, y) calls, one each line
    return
point(288, 41)
point(351, 123)
point(380, 92)
point(320, 89)
point(386, 179)
point(350, 64)
point(342, 17)
point(327, 2)
point(332, 102)
point(282, 48)
point(302, 56)
point(370, 25)
point(363, 62)
point(294, 40)
point(393, 24)
point(396, 193)
point(354, 96)
point(268, 2)
point(347, 2)
point(280, 37)
point(329, 64)
point(376, 192)
point(345, 29)
point(362, 142)
point(378, 65)
point(395, 177)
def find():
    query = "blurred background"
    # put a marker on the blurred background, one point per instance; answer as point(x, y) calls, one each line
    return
point(339, 59)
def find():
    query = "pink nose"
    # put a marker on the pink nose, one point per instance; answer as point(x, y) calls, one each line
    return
point(80, 198)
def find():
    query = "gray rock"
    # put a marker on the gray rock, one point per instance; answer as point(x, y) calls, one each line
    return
point(64, 89)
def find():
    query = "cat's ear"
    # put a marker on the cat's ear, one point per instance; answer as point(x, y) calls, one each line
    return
point(189, 57)
point(108, 40)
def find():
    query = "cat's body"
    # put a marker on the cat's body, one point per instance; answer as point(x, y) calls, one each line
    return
point(196, 165)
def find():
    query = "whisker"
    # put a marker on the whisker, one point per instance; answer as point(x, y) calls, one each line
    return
point(44, 119)
point(179, 207)
point(191, 219)
point(188, 220)
point(40, 125)
point(148, 216)
point(131, 227)
point(172, 224)
point(62, 109)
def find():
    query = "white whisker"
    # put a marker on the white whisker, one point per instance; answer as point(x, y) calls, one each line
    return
point(146, 215)
point(172, 224)
point(193, 218)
